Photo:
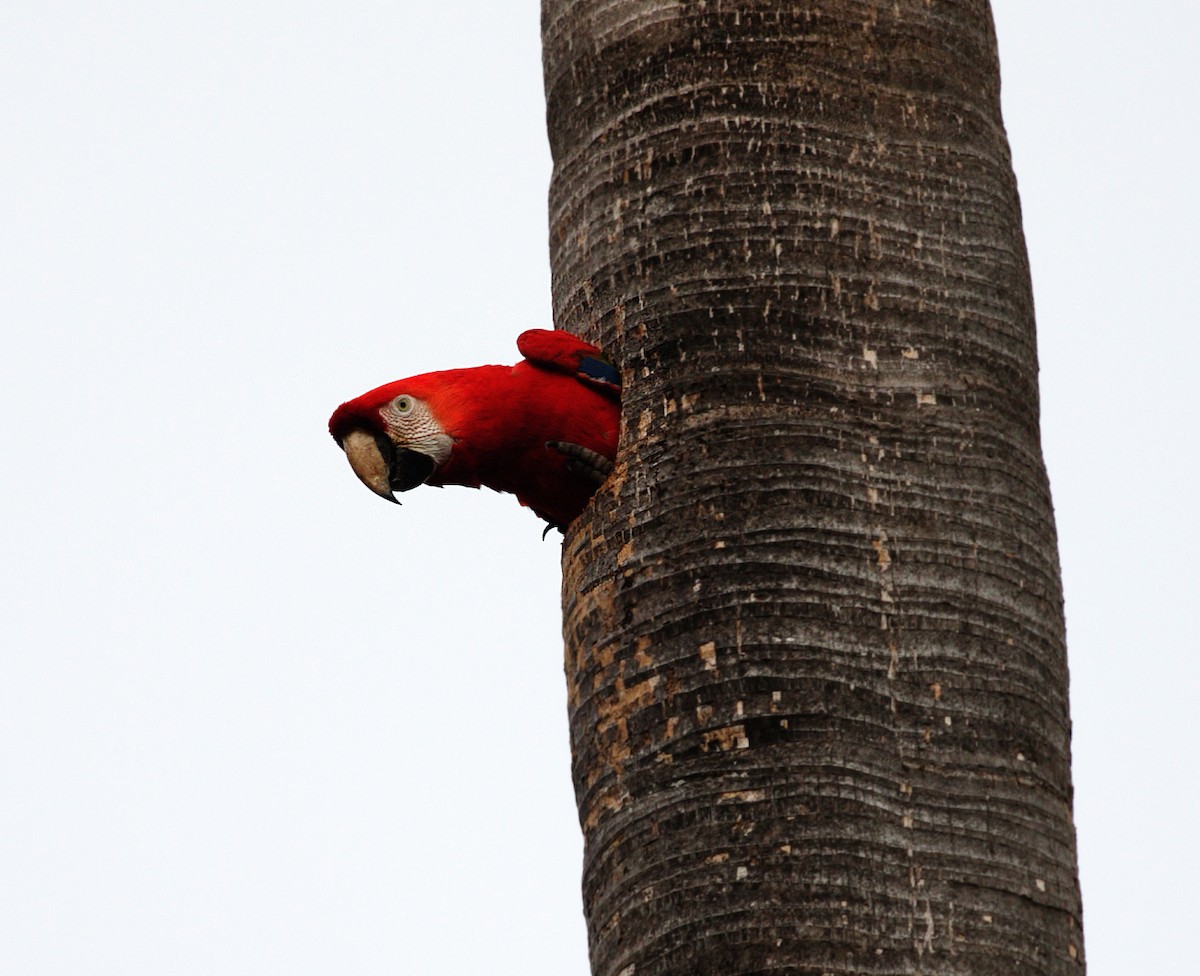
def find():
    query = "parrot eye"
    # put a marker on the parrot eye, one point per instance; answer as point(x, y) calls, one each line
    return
point(403, 404)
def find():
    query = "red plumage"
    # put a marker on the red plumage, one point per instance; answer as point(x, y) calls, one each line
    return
point(500, 426)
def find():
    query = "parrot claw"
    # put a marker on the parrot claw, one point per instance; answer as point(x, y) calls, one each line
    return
point(581, 460)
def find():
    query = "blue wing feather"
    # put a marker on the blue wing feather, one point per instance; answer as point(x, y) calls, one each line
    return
point(599, 371)
point(565, 353)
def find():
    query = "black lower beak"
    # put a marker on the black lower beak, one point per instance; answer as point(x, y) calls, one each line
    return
point(407, 469)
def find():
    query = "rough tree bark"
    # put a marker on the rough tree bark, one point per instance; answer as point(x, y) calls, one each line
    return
point(814, 635)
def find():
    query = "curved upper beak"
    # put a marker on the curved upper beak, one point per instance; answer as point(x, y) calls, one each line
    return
point(369, 457)
point(383, 468)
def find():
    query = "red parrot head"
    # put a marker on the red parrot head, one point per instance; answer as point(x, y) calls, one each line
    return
point(392, 436)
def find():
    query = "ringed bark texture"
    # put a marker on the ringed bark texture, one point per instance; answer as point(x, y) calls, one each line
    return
point(814, 636)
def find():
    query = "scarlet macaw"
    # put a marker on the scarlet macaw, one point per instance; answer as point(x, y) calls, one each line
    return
point(545, 429)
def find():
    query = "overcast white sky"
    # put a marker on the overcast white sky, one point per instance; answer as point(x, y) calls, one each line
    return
point(255, 721)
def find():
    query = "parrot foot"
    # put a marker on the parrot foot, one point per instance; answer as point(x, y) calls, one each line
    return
point(583, 460)
point(552, 525)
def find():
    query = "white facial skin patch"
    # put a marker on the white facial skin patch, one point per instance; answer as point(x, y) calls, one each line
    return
point(410, 424)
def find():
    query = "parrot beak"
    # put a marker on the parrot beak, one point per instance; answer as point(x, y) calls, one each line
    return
point(382, 468)
point(368, 458)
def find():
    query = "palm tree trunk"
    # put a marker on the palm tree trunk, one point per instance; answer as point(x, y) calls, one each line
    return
point(814, 634)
